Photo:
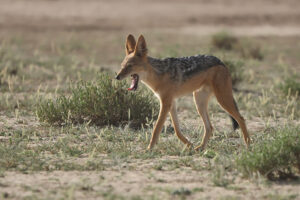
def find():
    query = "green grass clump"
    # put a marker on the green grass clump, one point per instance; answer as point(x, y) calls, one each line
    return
point(248, 48)
point(276, 157)
point(251, 51)
point(245, 47)
point(236, 70)
point(103, 102)
point(9, 65)
point(290, 86)
point(224, 40)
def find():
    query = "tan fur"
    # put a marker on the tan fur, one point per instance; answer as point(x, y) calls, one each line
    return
point(215, 80)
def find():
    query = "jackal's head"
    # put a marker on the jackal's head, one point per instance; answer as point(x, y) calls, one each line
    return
point(135, 61)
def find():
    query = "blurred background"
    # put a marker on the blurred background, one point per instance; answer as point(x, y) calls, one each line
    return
point(256, 17)
point(49, 20)
point(47, 44)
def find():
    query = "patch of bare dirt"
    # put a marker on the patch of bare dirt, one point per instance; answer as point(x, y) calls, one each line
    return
point(93, 185)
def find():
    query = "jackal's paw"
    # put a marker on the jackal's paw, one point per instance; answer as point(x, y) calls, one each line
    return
point(248, 141)
point(199, 148)
point(189, 145)
point(149, 148)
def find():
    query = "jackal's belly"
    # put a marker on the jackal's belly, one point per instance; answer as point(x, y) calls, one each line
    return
point(199, 79)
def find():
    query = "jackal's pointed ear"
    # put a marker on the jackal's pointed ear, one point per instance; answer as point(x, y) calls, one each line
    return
point(130, 44)
point(141, 47)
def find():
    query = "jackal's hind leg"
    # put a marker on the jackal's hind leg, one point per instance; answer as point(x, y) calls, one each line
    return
point(174, 118)
point(223, 92)
point(201, 98)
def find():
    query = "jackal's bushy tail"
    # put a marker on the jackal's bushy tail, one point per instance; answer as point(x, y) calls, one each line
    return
point(235, 125)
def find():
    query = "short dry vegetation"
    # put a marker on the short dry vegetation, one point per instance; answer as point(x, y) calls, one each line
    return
point(276, 156)
point(103, 102)
point(290, 86)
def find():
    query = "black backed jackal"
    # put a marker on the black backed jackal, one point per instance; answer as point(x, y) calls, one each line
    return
point(171, 78)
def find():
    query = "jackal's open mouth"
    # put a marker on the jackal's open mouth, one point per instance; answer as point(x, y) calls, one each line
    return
point(134, 82)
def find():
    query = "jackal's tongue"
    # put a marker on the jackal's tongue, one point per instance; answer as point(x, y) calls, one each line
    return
point(134, 82)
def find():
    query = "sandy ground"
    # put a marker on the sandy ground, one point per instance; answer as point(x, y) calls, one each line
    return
point(131, 183)
point(255, 17)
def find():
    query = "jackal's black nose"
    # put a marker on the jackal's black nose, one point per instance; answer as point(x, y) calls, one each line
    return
point(118, 77)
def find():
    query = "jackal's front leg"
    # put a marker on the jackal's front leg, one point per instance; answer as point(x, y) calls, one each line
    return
point(174, 118)
point(165, 106)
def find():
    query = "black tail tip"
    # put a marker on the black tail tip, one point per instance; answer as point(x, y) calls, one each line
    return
point(235, 125)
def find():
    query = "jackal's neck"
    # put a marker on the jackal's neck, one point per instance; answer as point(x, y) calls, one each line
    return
point(153, 74)
point(158, 65)
point(166, 66)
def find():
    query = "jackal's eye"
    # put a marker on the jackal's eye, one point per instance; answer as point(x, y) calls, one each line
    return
point(128, 66)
